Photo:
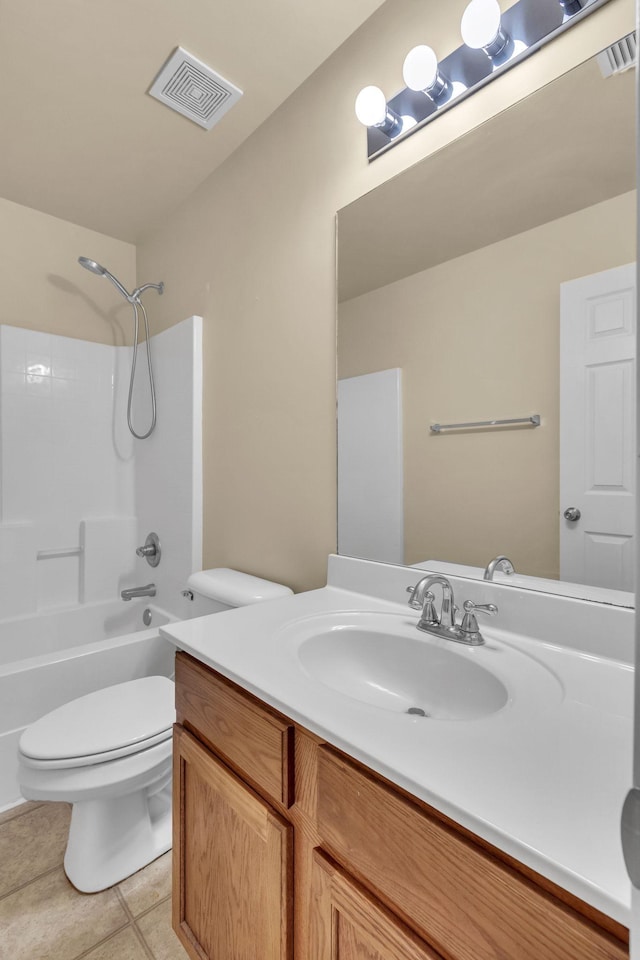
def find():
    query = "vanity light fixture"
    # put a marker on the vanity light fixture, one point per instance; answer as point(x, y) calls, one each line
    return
point(571, 6)
point(481, 29)
point(422, 73)
point(494, 41)
point(373, 111)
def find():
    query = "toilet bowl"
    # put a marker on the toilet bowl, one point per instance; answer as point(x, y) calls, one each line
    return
point(109, 754)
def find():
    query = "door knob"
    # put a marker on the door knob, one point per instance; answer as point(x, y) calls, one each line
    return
point(572, 513)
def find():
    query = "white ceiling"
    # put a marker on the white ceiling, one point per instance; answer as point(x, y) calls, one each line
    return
point(82, 139)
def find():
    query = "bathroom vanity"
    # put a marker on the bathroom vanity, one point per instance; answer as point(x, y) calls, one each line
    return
point(312, 824)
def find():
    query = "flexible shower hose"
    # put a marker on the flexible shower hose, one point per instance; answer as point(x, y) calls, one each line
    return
point(141, 436)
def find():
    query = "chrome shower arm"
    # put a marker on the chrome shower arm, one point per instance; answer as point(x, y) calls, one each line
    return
point(146, 286)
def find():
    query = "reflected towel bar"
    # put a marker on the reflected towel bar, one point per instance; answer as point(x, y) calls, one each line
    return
point(534, 421)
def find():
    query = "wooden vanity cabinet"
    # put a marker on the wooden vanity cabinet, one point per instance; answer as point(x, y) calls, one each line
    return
point(286, 849)
point(233, 862)
point(347, 923)
point(232, 850)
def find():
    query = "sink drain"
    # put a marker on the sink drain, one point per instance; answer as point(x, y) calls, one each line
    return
point(417, 712)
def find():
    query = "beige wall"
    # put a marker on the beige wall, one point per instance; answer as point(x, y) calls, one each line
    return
point(253, 251)
point(478, 337)
point(44, 287)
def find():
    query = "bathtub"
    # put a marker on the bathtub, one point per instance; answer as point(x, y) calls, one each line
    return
point(48, 659)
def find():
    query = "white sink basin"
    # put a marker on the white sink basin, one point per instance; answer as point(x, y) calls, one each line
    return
point(382, 660)
point(403, 674)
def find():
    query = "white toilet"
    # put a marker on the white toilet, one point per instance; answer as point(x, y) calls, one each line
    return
point(109, 754)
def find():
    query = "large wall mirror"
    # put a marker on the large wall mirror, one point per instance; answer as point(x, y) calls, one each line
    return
point(496, 280)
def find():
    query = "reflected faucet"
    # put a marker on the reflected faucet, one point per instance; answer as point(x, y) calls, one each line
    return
point(498, 563)
point(147, 591)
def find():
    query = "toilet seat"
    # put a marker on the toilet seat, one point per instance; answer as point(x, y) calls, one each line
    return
point(114, 722)
point(89, 760)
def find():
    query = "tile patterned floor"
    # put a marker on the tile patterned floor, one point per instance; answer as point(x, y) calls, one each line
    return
point(42, 917)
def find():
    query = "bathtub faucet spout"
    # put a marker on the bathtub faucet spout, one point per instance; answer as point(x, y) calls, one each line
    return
point(147, 591)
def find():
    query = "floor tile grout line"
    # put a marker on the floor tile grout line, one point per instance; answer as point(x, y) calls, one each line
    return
point(146, 913)
point(124, 904)
point(27, 883)
point(100, 943)
point(143, 913)
point(145, 946)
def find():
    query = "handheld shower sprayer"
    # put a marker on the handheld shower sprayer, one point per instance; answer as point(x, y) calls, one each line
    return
point(135, 301)
point(101, 271)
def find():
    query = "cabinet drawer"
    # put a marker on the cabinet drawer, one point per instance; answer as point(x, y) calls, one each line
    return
point(465, 902)
point(252, 739)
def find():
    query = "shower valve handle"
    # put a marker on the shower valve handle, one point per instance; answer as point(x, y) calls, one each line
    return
point(150, 550)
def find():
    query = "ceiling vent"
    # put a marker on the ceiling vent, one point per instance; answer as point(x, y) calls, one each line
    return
point(193, 89)
point(619, 56)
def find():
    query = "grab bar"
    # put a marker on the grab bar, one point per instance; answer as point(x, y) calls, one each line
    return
point(59, 552)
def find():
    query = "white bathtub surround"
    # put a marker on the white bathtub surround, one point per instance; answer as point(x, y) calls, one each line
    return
point(49, 659)
point(62, 459)
point(108, 556)
point(77, 492)
point(17, 568)
point(168, 475)
point(543, 778)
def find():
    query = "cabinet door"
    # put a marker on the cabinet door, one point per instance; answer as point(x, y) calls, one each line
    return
point(232, 872)
point(347, 923)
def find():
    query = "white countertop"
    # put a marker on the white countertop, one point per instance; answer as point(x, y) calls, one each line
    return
point(543, 781)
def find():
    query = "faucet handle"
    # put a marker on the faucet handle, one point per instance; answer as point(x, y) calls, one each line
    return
point(489, 608)
point(469, 623)
point(426, 604)
point(151, 550)
point(429, 614)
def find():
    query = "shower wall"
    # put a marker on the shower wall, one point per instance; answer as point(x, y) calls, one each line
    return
point(168, 466)
point(73, 482)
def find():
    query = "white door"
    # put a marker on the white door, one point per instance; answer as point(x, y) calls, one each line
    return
point(597, 429)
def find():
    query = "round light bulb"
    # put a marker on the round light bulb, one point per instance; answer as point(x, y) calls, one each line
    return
point(480, 23)
point(371, 106)
point(420, 68)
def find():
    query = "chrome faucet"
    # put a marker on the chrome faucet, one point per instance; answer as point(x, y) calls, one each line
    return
point(498, 563)
point(445, 626)
point(147, 591)
point(422, 599)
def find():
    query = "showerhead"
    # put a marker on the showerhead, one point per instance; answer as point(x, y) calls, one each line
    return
point(91, 265)
point(101, 271)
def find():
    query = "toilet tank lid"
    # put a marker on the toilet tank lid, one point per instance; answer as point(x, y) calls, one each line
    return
point(108, 719)
point(235, 588)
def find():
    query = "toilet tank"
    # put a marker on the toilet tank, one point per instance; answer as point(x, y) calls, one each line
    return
point(221, 589)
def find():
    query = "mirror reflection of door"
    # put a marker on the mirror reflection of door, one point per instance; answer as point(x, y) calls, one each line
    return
point(597, 429)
